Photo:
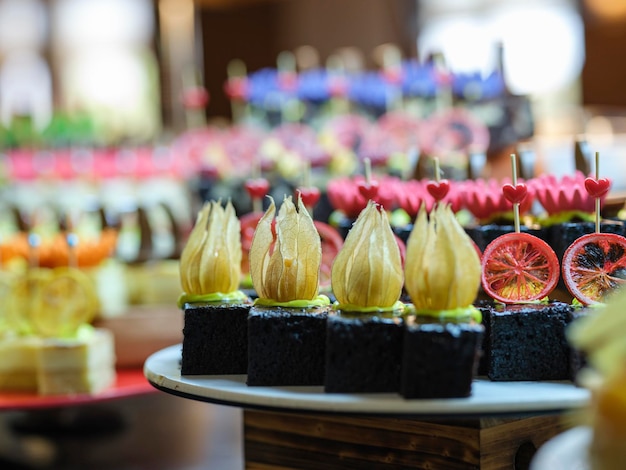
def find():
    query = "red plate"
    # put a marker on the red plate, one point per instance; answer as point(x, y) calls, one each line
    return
point(128, 383)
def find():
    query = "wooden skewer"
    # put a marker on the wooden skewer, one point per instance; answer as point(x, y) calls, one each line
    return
point(597, 199)
point(515, 204)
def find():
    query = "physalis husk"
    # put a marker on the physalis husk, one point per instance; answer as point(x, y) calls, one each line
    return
point(442, 268)
point(285, 258)
point(367, 272)
point(211, 259)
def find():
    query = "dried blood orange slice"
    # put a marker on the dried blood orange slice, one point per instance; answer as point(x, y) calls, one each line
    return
point(594, 265)
point(518, 267)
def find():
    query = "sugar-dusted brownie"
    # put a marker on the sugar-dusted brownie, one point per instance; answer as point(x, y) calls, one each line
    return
point(439, 359)
point(363, 352)
point(286, 346)
point(215, 339)
point(526, 341)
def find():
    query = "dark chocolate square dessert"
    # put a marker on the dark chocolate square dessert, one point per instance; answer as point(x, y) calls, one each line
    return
point(363, 353)
point(561, 236)
point(526, 341)
point(286, 346)
point(483, 235)
point(215, 339)
point(440, 359)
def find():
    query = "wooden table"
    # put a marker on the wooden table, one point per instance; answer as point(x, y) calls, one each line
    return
point(500, 426)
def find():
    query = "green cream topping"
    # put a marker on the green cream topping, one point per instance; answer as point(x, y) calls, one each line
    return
point(396, 307)
point(545, 300)
point(578, 303)
point(461, 313)
point(319, 301)
point(214, 297)
point(566, 216)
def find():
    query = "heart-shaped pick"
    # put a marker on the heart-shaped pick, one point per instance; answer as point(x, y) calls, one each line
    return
point(368, 190)
point(257, 188)
point(309, 195)
point(597, 188)
point(438, 189)
point(514, 194)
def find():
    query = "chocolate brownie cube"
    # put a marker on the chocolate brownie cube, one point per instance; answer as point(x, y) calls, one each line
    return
point(363, 353)
point(439, 359)
point(526, 341)
point(286, 346)
point(215, 339)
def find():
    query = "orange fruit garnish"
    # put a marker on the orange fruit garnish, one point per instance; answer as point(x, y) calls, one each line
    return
point(67, 300)
point(519, 267)
point(24, 298)
point(594, 265)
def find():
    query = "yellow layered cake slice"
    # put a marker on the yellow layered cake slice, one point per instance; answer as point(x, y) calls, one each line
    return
point(18, 363)
point(85, 364)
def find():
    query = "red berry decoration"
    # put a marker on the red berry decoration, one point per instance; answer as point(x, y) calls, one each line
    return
point(257, 188)
point(597, 187)
point(515, 194)
point(438, 189)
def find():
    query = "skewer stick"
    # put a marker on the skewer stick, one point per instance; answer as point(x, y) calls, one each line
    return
point(515, 204)
point(437, 170)
point(597, 198)
point(33, 250)
point(368, 171)
point(257, 203)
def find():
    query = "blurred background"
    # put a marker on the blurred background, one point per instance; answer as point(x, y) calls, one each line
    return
point(140, 110)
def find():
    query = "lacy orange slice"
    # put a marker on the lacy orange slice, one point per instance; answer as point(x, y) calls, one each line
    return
point(594, 265)
point(24, 298)
point(518, 267)
point(67, 300)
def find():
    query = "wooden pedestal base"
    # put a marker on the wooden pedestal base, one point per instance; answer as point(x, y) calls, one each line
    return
point(274, 440)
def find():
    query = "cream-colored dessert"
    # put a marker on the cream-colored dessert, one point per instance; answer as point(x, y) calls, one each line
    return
point(48, 345)
point(18, 366)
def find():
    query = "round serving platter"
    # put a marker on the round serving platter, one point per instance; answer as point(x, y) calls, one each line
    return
point(162, 369)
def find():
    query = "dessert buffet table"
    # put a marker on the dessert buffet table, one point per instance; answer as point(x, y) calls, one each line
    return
point(499, 426)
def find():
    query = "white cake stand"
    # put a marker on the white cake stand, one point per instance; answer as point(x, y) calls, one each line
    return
point(499, 426)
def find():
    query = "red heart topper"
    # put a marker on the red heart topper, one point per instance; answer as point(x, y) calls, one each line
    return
point(368, 190)
point(597, 188)
point(257, 188)
point(438, 189)
point(309, 196)
point(514, 194)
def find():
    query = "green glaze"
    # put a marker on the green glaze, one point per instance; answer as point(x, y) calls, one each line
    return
point(319, 301)
point(215, 297)
point(461, 314)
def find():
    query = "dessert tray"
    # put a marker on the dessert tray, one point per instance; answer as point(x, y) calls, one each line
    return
point(566, 451)
point(162, 369)
point(129, 382)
